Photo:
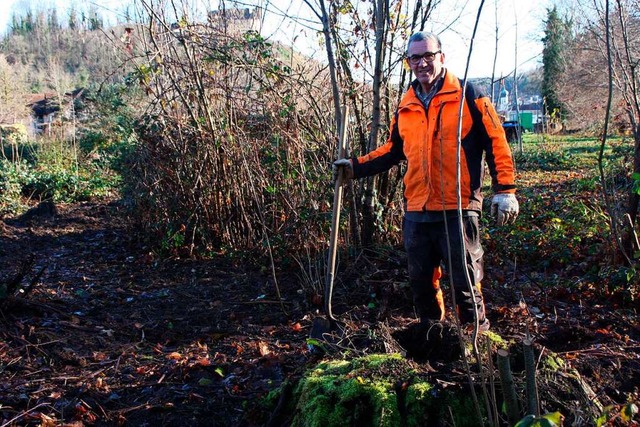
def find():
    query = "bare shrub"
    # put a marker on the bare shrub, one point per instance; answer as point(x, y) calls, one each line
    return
point(235, 145)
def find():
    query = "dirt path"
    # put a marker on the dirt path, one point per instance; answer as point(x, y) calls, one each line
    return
point(110, 335)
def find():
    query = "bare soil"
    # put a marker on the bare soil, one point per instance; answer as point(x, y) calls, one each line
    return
point(109, 334)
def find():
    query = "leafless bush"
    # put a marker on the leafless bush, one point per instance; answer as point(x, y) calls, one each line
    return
point(235, 145)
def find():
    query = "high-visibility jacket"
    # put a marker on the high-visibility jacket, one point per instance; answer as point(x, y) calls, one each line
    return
point(427, 140)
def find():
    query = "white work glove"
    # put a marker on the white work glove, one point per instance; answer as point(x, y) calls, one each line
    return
point(345, 166)
point(505, 208)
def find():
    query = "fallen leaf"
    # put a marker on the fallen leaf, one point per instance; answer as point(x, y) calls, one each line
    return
point(47, 421)
point(239, 349)
point(263, 348)
point(203, 361)
point(99, 356)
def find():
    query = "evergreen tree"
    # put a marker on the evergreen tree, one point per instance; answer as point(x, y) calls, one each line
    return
point(95, 20)
point(52, 20)
point(28, 23)
point(557, 33)
point(16, 24)
point(73, 19)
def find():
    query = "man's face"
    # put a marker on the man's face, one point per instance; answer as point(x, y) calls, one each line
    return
point(428, 68)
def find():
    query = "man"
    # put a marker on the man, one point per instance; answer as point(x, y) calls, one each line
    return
point(424, 133)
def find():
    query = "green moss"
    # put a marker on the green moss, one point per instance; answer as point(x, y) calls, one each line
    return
point(428, 405)
point(485, 339)
point(338, 401)
point(363, 392)
point(553, 362)
point(271, 399)
point(417, 403)
point(375, 361)
point(496, 339)
point(335, 367)
point(352, 392)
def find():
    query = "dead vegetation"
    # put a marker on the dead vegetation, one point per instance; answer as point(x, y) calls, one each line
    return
point(112, 335)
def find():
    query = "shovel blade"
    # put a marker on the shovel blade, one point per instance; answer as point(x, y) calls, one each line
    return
point(320, 327)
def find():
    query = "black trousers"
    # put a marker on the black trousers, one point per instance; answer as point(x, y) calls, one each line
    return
point(427, 247)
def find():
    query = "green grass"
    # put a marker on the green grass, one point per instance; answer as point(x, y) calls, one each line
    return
point(553, 152)
point(562, 235)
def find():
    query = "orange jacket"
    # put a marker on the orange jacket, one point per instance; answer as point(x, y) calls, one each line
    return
point(427, 140)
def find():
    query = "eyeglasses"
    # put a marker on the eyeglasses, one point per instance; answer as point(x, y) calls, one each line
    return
point(427, 56)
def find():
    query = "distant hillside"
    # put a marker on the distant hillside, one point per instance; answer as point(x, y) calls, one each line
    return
point(50, 57)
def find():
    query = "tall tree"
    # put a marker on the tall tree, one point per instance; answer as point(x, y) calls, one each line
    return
point(557, 33)
point(73, 18)
point(52, 20)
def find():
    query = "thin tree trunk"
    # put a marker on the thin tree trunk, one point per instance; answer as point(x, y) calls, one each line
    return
point(368, 211)
point(632, 100)
point(495, 54)
point(532, 388)
point(470, 282)
point(335, 88)
point(515, 90)
point(381, 12)
point(508, 388)
point(607, 195)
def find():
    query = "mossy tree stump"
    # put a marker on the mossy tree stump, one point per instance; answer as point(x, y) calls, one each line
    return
point(375, 390)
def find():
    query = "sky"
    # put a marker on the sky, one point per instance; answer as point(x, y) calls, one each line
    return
point(453, 21)
point(111, 9)
point(521, 21)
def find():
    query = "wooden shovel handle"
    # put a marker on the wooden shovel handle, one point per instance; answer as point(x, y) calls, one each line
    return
point(335, 217)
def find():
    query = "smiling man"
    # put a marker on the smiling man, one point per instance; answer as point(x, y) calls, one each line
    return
point(424, 133)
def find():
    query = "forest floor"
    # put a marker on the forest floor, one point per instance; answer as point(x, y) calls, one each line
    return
point(108, 334)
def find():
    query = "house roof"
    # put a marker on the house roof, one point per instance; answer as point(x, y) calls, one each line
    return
point(47, 102)
point(531, 106)
point(34, 98)
point(43, 103)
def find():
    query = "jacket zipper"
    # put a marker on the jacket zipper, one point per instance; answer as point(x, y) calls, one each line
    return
point(437, 138)
point(438, 121)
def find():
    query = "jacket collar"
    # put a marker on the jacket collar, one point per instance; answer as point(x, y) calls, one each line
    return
point(450, 85)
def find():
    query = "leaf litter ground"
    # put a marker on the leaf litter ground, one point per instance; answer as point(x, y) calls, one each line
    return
point(112, 335)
